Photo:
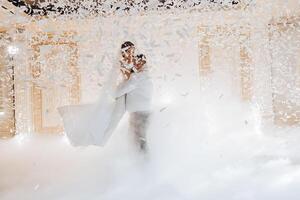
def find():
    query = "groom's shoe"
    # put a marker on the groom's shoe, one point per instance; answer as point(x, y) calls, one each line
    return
point(143, 145)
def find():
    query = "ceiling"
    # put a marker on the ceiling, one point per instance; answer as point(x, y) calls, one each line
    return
point(109, 7)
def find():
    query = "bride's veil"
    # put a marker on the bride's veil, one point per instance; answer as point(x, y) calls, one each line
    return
point(87, 124)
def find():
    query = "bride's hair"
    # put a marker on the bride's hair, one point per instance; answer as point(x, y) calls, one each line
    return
point(127, 44)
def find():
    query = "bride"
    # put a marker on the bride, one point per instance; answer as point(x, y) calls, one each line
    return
point(93, 124)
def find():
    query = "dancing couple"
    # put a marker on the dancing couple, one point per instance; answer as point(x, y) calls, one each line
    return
point(93, 124)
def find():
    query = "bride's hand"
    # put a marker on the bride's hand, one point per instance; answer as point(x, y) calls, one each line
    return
point(126, 73)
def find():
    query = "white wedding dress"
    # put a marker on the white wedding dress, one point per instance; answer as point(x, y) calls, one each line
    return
point(93, 124)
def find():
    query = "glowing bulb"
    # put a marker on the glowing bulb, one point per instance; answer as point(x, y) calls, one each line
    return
point(12, 50)
point(2, 113)
point(65, 139)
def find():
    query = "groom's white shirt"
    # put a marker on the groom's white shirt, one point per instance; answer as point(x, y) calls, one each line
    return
point(139, 89)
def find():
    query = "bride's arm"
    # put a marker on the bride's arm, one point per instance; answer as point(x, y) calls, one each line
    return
point(124, 89)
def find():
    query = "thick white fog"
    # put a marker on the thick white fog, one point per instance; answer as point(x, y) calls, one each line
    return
point(210, 146)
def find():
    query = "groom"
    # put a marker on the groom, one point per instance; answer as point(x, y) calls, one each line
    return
point(136, 89)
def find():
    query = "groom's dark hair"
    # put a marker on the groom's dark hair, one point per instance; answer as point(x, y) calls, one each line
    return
point(127, 44)
point(141, 56)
